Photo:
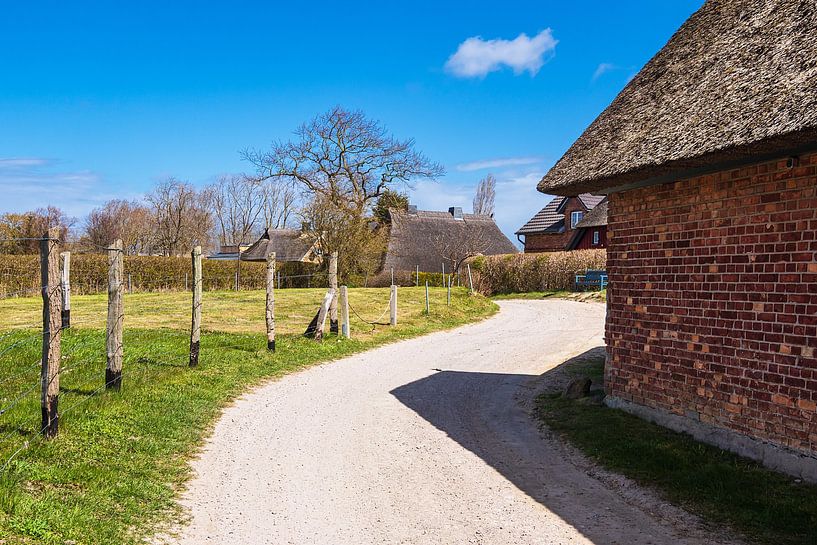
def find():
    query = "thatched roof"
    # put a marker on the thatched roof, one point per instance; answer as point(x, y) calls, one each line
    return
point(551, 218)
point(595, 218)
point(288, 245)
point(736, 83)
point(428, 239)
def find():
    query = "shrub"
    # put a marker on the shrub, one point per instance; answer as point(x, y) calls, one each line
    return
point(20, 274)
point(520, 273)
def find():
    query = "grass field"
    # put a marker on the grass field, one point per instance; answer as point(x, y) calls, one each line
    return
point(111, 475)
point(721, 487)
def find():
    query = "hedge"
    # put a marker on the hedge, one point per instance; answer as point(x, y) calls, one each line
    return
point(520, 273)
point(20, 274)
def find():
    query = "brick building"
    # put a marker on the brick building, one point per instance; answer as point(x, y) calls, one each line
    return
point(555, 226)
point(709, 161)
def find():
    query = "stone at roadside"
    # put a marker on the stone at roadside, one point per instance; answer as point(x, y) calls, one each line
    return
point(578, 388)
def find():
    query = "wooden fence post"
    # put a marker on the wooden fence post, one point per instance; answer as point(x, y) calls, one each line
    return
point(417, 277)
point(393, 306)
point(279, 280)
point(66, 289)
point(443, 278)
point(427, 307)
point(186, 286)
point(470, 280)
point(318, 324)
point(195, 328)
point(449, 289)
point(130, 283)
point(333, 285)
point(270, 309)
point(392, 276)
point(52, 320)
point(116, 315)
point(344, 313)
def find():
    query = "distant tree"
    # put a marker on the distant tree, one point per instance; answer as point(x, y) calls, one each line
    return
point(346, 158)
point(181, 217)
point(280, 201)
point(485, 196)
point(343, 162)
point(20, 231)
point(389, 200)
point(119, 219)
point(237, 203)
point(457, 245)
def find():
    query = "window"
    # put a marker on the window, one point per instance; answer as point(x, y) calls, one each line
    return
point(595, 237)
point(575, 217)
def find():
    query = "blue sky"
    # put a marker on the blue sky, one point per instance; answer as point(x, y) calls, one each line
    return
point(100, 100)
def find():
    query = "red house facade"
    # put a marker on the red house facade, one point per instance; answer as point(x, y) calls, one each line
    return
point(711, 179)
point(559, 224)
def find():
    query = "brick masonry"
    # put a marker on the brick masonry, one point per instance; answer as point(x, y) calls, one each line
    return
point(712, 307)
point(554, 242)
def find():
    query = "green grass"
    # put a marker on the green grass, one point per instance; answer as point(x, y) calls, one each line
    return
point(556, 294)
point(721, 487)
point(112, 474)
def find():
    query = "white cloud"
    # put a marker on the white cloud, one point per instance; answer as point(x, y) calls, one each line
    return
point(30, 183)
point(497, 163)
point(602, 69)
point(21, 162)
point(476, 57)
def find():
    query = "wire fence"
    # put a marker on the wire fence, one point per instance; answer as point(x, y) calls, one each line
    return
point(88, 349)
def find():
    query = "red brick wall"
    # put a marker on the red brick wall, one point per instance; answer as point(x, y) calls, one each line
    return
point(546, 243)
point(713, 300)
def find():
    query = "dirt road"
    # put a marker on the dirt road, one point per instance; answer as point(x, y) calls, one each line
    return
point(420, 442)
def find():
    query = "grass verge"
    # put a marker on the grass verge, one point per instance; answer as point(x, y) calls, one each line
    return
point(558, 294)
point(719, 486)
point(111, 475)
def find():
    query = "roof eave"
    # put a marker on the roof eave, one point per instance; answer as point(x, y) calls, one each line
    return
point(762, 151)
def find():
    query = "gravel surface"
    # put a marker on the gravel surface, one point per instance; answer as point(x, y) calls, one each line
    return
point(426, 441)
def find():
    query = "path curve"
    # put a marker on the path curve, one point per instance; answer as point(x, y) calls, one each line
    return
point(417, 442)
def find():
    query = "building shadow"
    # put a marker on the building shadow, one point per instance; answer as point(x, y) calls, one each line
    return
point(486, 414)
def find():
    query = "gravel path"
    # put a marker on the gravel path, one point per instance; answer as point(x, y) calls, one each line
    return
point(422, 442)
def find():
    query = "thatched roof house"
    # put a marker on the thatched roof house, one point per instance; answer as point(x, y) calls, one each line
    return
point(709, 160)
point(427, 239)
point(288, 244)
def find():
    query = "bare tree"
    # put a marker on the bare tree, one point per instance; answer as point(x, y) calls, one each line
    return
point(485, 196)
point(181, 217)
point(20, 231)
point(344, 157)
point(280, 200)
point(127, 220)
point(459, 243)
point(237, 203)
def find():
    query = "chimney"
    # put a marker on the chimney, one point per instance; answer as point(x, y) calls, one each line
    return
point(412, 209)
point(456, 211)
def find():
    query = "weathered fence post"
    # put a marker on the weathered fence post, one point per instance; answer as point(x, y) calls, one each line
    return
point(449, 289)
point(427, 307)
point(66, 289)
point(270, 309)
point(130, 284)
point(333, 285)
point(443, 278)
point(470, 280)
point(113, 332)
point(186, 286)
point(195, 328)
point(393, 306)
point(392, 276)
point(316, 326)
point(344, 313)
point(279, 280)
point(417, 277)
point(236, 280)
point(52, 319)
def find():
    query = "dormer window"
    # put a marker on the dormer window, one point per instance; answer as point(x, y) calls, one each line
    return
point(575, 217)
